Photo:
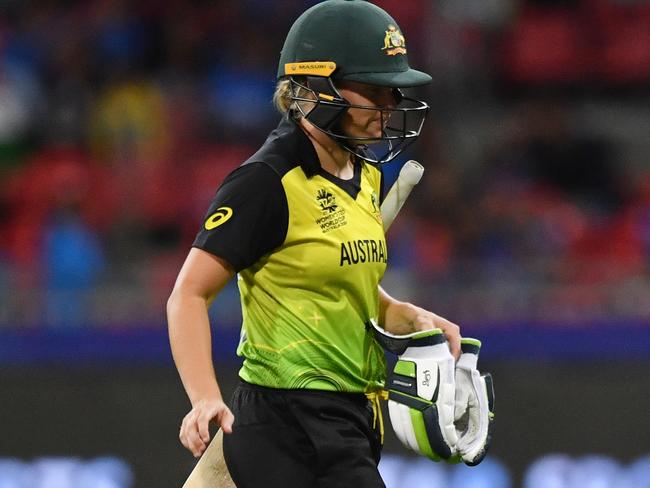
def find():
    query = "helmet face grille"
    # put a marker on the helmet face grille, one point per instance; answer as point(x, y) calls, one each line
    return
point(323, 106)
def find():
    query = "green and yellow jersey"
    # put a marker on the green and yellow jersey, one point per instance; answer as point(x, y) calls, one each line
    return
point(310, 251)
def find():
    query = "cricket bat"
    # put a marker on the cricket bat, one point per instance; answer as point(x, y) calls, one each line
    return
point(408, 177)
point(211, 470)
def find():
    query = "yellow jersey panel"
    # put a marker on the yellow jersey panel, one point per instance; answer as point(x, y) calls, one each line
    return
point(307, 304)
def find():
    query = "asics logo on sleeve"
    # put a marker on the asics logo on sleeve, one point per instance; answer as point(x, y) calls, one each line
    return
point(219, 217)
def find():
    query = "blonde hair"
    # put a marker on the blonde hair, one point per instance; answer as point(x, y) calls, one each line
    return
point(283, 98)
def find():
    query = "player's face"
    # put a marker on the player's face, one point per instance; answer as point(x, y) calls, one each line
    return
point(363, 123)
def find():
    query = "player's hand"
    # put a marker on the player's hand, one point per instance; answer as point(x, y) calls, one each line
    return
point(195, 432)
point(449, 329)
point(404, 318)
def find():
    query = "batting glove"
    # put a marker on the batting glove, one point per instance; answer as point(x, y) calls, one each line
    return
point(421, 396)
point(474, 405)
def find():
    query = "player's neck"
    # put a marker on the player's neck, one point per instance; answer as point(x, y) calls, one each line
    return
point(333, 158)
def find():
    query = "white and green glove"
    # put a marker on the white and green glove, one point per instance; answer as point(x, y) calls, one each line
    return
point(437, 408)
point(474, 405)
point(421, 392)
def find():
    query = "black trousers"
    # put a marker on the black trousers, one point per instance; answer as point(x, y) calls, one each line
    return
point(302, 438)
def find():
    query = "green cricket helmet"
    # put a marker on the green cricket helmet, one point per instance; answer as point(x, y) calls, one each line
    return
point(353, 40)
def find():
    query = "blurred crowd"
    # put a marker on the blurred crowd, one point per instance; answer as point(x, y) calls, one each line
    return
point(557, 470)
point(118, 120)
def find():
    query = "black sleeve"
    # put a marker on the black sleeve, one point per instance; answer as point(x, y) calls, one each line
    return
point(248, 217)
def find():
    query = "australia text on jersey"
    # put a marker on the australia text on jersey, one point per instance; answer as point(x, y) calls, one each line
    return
point(362, 251)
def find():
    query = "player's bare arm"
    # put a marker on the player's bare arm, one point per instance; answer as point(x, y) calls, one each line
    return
point(400, 318)
point(200, 279)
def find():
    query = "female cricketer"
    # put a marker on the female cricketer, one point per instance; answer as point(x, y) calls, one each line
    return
point(299, 224)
